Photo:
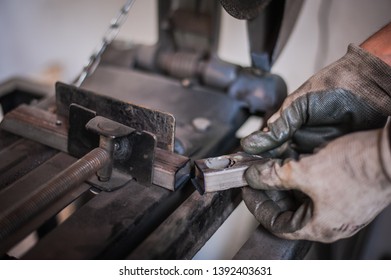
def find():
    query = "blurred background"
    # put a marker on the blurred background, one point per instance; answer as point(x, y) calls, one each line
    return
point(39, 37)
point(50, 40)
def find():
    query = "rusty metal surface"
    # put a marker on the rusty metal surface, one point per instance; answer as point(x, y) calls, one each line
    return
point(80, 140)
point(14, 217)
point(140, 118)
point(189, 227)
point(27, 185)
point(170, 170)
point(20, 158)
point(106, 219)
point(38, 125)
point(7, 139)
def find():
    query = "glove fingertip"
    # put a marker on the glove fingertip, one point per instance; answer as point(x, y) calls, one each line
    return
point(260, 142)
point(251, 145)
point(259, 176)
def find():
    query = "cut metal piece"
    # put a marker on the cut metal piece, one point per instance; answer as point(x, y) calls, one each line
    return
point(223, 172)
point(169, 169)
point(140, 118)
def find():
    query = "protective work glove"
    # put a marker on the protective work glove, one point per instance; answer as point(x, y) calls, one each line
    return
point(351, 94)
point(346, 184)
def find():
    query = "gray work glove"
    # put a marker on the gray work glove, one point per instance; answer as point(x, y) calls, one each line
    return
point(346, 184)
point(351, 94)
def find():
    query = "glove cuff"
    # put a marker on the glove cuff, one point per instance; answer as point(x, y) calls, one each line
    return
point(376, 84)
point(385, 150)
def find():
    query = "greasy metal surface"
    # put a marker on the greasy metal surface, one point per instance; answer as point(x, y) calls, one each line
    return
point(80, 139)
point(159, 93)
point(187, 229)
point(270, 30)
point(105, 220)
point(7, 139)
point(106, 127)
point(13, 218)
point(132, 151)
point(26, 186)
point(20, 158)
point(262, 245)
point(263, 33)
point(223, 172)
point(38, 125)
point(186, 104)
point(140, 118)
point(117, 180)
point(140, 163)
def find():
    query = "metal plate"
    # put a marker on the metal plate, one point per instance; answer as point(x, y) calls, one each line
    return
point(134, 156)
point(158, 123)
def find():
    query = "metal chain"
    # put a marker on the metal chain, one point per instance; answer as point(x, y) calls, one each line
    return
point(108, 37)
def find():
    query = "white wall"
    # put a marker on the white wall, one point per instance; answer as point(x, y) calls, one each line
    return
point(35, 34)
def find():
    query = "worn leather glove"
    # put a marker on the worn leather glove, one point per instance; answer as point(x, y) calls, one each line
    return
point(346, 184)
point(351, 94)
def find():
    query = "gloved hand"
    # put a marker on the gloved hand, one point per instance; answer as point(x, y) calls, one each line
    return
point(347, 183)
point(351, 94)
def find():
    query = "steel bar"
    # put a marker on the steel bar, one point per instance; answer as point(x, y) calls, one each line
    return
point(52, 190)
point(223, 172)
point(38, 125)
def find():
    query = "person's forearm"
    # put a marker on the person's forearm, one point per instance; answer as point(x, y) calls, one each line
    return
point(379, 44)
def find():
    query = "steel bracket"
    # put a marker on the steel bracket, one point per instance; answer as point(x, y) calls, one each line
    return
point(132, 151)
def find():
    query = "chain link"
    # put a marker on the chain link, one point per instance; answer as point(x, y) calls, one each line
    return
point(108, 37)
